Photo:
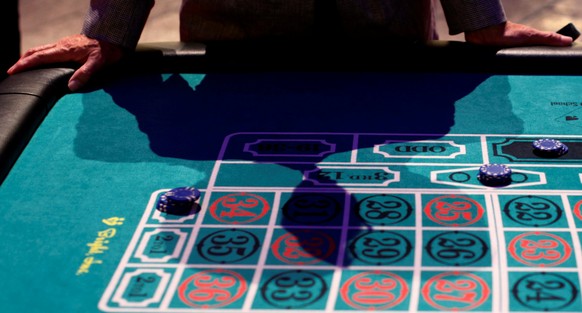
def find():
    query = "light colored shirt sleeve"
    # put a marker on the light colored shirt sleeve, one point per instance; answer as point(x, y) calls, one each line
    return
point(469, 15)
point(119, 22)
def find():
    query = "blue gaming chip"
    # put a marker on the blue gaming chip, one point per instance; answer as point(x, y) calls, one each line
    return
point(494, 174)
point(495, 170)
point(177, 209)
point(178, 201)
point(549, 148)
point(547, 144)
point(183, 194)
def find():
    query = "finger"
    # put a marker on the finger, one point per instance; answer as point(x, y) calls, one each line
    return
point(559, 40)
point(84, 73)
point(21, 65)
point(38, 49)
point(550, 39)
point(42, 57)
point(29, 61)
point(24, 60)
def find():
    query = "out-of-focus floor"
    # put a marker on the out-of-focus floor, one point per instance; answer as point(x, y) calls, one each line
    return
point(45, 21)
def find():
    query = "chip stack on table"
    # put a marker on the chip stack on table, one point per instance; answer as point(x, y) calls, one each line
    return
point(494, 175)
point(549, 148)
point(178, 201)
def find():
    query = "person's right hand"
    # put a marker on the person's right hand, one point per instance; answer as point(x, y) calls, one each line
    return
point(92, 54)
point(510, 34)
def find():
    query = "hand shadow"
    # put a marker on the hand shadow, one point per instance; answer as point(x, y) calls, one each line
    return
point(187, 117)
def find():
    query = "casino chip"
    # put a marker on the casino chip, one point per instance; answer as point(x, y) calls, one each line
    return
point(549, 148)
point(178, 201)
point(183, 194)
point(494, 175)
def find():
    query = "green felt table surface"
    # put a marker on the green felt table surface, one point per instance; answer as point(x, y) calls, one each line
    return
point(80, 232)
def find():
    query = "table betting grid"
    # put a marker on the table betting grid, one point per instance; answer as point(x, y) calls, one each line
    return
point(315, 222)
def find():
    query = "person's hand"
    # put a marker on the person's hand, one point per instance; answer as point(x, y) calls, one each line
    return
point(510, 34)
point(92, 54)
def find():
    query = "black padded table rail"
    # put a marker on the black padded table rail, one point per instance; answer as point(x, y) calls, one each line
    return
point(362, 55)
point(26, 98)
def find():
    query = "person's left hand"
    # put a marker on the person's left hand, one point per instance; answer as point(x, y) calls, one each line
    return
point(510, 34)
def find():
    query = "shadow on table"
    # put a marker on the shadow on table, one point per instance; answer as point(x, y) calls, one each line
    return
point(187, 119)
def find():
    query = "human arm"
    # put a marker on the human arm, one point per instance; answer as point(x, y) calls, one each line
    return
point(484, 22)
point(111, 29)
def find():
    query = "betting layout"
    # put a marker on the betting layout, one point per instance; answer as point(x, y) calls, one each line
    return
point(359, 222)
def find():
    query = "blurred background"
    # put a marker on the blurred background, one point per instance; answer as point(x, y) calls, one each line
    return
point(44, 21)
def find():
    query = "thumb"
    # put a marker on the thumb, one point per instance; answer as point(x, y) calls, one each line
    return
point(84, 73)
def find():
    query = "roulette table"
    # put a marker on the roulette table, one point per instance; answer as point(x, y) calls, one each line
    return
point(332, 178)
